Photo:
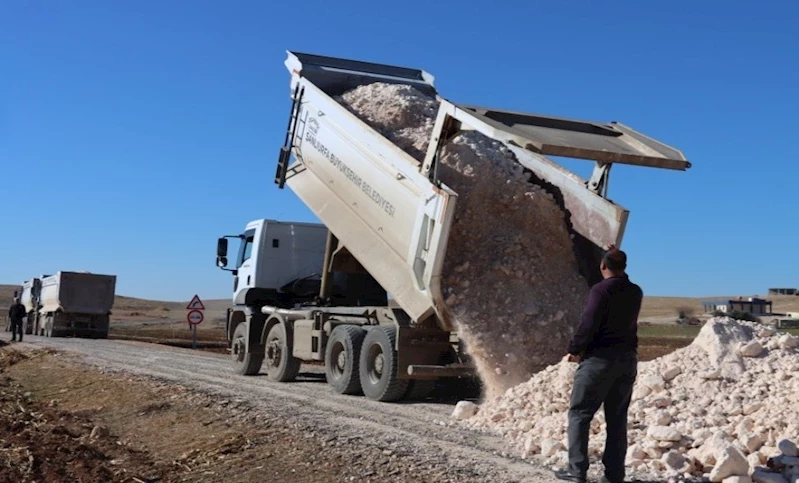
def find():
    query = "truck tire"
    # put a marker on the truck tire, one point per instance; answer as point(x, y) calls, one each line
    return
point(378, 365)
point(342, 359)
point(244, 363)
point(281, 365)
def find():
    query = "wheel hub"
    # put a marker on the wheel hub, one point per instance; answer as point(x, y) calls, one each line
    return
point(273, 353)
point(379, 361)
point(238, 349)
point(341, 360)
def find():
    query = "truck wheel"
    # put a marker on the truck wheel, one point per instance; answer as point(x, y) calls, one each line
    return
point(281, 365)
point(378, 365)
point(342, 358)
point(244, 363)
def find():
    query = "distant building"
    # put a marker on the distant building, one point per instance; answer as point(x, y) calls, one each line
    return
point(753, 305)
point(783, 291)
point(711, 306)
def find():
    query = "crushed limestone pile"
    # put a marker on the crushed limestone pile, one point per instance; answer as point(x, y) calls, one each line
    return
point(511, 279)
point(720, 407)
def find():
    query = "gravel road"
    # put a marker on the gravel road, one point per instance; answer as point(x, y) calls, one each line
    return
point(412, 428)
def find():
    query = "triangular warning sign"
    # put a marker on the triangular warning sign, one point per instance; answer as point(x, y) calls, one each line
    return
point(195, 304)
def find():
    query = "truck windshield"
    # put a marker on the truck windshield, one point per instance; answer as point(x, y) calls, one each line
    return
point(245, 251)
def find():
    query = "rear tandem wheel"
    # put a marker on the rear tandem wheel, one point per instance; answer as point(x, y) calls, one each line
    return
point(378, 365)
point(342, 359)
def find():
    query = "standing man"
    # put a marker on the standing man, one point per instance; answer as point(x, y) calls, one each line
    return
point(605, 345)
point(16, 313)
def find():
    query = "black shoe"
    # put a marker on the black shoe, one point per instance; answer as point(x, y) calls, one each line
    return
point(567, 475)
point(605, 479)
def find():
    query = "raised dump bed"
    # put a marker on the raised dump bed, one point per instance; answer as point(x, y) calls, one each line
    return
point(391, 212)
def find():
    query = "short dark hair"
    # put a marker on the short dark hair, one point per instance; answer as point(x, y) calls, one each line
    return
point(615, 260)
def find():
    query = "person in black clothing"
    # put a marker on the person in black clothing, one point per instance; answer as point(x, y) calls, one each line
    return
point(605, 345)
point(16, 313)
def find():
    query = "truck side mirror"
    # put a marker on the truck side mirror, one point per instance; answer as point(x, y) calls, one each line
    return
point(221, 248)
point(221, 262)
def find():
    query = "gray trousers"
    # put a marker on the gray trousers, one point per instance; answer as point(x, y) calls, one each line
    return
point(607, 379)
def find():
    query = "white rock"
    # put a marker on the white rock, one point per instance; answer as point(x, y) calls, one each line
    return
point(717, 338)
point(640, 392)
point(464, 410)
point(525, 426)
point(671, 373)
point(752, 408)
point(674, 460)
point(711, 375)
point(751, 349)
point(731, 463)
point(766, 332)
point(754, 460)
point(663, 419)
point(753, 442)
point(788, 448)
point(788, 342)
point(663, 433)
point(710, 452)
point(530, 446)
point(550, 447)
point(654, 382)
point(635, 452)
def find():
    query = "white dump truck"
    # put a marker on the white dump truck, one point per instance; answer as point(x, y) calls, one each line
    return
point(69, 304)
point(30, 298)
point(320, 292)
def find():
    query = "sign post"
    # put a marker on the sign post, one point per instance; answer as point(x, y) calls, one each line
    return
point(195, 316)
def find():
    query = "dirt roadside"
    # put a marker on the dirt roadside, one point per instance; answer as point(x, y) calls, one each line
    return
point(182, 415)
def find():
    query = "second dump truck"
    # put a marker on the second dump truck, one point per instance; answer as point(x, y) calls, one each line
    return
point(69, 304)
point(320, 292)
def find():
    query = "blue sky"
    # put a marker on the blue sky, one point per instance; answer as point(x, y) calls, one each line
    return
point(133, 134)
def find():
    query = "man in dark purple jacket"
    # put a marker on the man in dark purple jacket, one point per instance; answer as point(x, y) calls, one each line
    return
point(605, 345)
